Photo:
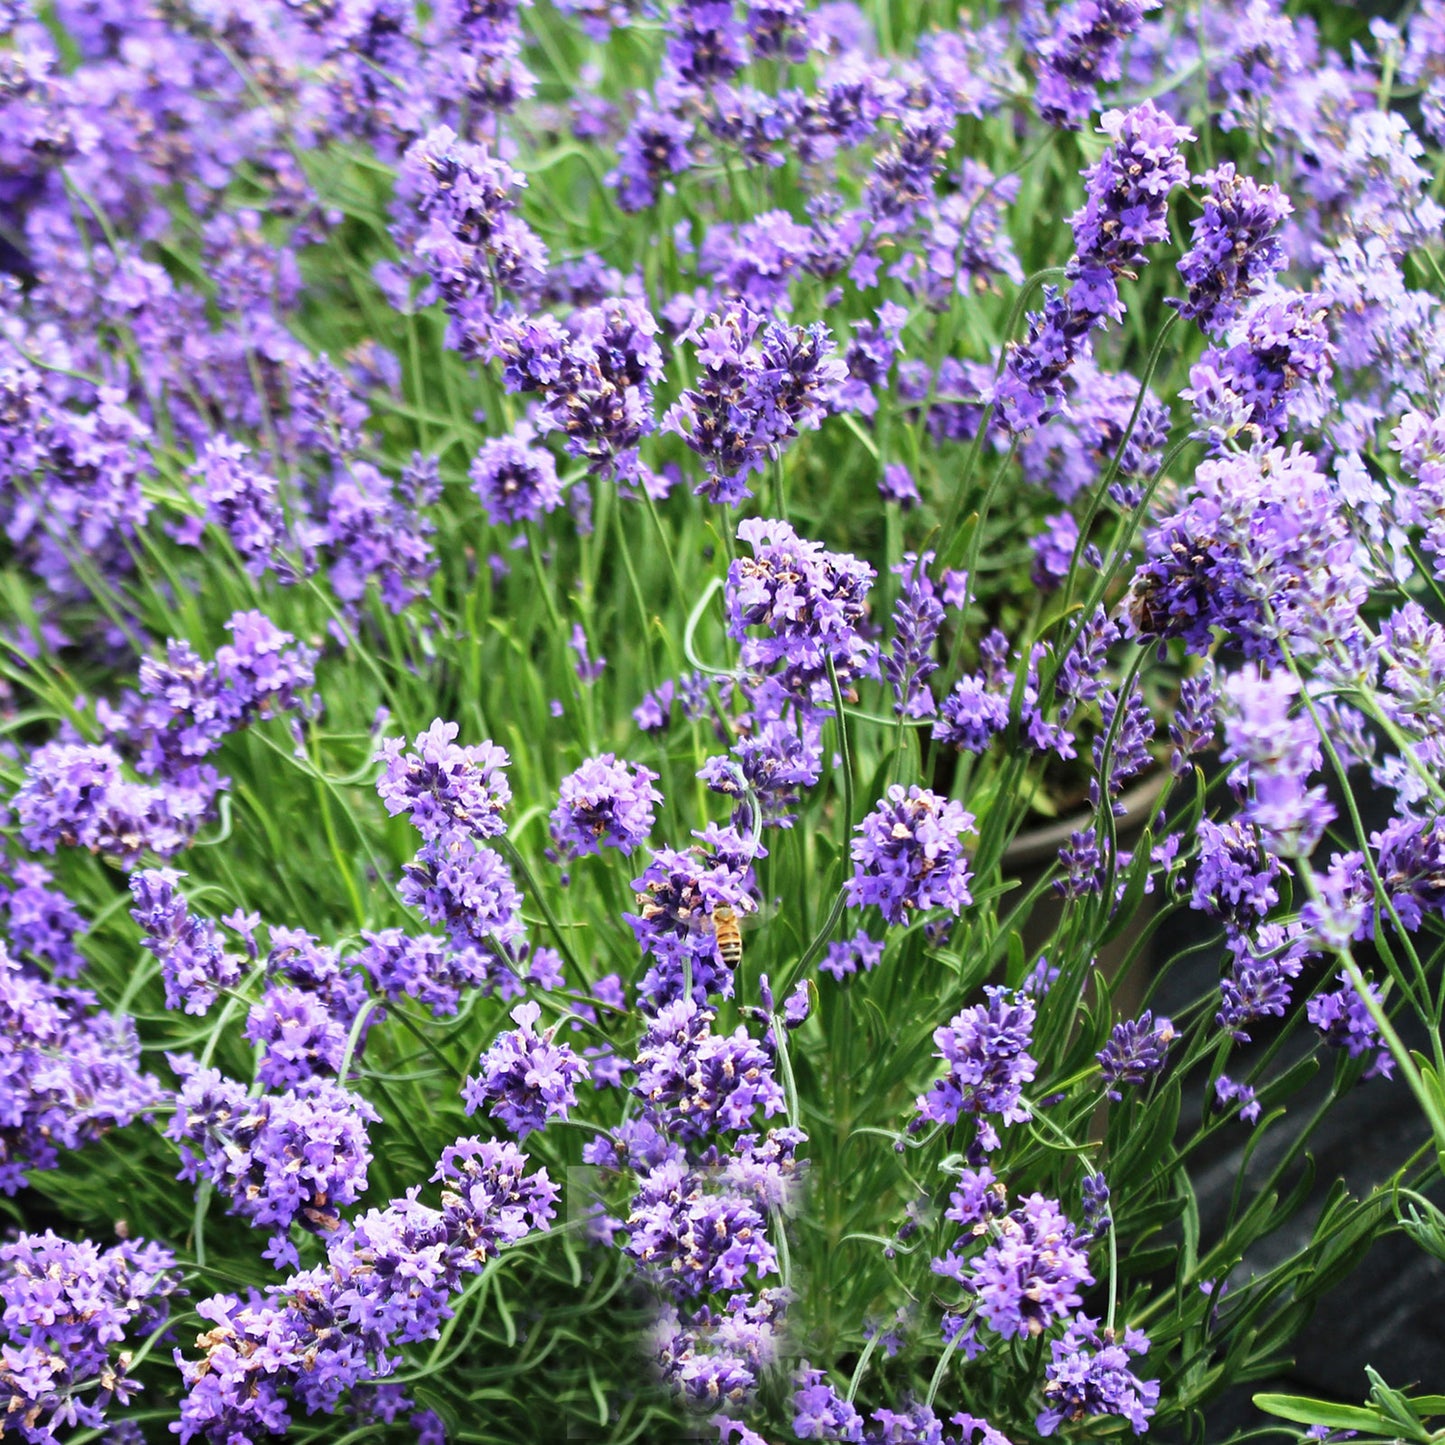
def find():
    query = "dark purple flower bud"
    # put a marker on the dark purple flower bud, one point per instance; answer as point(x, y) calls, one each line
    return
point(1095, 1198)
point(917, 616)
point(1235, 252)
point(897, 485)
point(326, 412)
point(1136, 1052)
point(1193, 725)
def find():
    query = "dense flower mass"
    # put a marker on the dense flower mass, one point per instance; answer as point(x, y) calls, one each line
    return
point(443, 786)
point(754, 396)
point(714, 589)
point(604, 803)
point(1031, 1274)
point(388, 1279)
point(1090, 1374)
point(1261, 552)
point(276, 1158)
point(1235, 251)
point(67, 1305)
point(70, 1071)
point(194, 965)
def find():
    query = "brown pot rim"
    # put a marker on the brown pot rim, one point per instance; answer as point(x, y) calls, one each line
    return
point(1037, 844)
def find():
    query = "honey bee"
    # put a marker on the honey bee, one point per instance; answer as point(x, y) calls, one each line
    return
point(729, 935)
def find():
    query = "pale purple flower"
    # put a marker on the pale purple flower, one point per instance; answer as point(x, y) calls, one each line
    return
point(1227, 1093)
point(693, 1083)
point(1279, 752)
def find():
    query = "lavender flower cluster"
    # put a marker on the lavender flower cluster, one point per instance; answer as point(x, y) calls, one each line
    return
point(430, 352)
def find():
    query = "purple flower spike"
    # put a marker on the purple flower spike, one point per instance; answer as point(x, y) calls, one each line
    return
point(1030, 1275)
point(1235, 252)
point(1090, 1375)
point(986, 1050)
point(194, 966)
point(526, 1079)
point(1136, 1051)
point(911, 856)
point(514, 480)
point(1345, 1022)
point(445, 786)
point(605, 803)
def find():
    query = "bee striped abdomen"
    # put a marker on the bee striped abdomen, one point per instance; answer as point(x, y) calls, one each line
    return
point(729, 936)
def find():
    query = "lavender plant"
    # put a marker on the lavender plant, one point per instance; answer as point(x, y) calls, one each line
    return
point(560, 560)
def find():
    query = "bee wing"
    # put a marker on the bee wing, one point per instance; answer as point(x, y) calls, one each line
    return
point(759, 916)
